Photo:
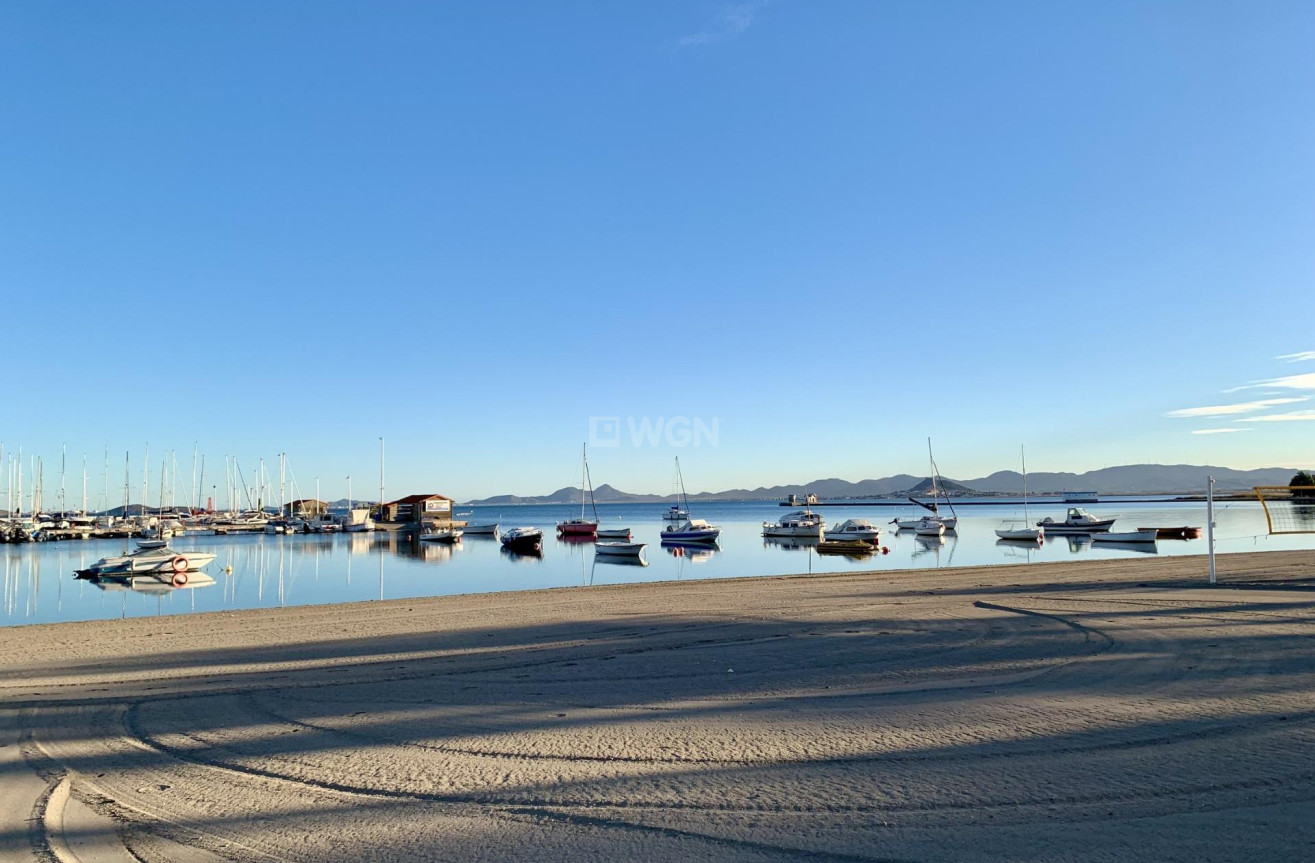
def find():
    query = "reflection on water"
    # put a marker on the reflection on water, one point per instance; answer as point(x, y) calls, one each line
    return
point(269, 570)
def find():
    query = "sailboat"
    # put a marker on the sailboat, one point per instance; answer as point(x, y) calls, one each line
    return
point(693, 529)
point(1027, 534)
point(924, 524)
point(582, 526)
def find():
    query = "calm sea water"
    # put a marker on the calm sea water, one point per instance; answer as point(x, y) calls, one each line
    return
point(262, 571)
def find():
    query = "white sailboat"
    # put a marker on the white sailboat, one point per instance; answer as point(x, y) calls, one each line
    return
point(915, 524)
point(1025, 534)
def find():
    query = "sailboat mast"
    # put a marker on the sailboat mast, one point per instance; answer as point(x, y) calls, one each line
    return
point(1023, 456)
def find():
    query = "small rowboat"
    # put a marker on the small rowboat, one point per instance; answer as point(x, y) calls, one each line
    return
point(481, 529)
point(613, 533)
point(443, 534)
point(1127, 536)
point(630, 549)
point(845, 546)
point(1175, 532)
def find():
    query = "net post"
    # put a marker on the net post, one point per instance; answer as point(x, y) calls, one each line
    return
point(1210, 523)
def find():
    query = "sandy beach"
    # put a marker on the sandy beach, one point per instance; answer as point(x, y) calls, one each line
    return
point(1091, 710)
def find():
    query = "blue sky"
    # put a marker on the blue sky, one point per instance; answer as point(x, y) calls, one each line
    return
point(827, 230)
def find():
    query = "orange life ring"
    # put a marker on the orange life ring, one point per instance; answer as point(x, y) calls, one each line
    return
point(179, 563)
point(180, 579)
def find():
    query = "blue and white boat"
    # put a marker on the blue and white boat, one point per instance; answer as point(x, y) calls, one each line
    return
point(693, 530)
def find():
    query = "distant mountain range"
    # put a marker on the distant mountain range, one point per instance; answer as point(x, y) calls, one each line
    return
point(1123, 479)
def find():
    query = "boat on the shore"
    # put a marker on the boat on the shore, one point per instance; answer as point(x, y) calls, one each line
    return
point(803, 523)
point(1077, 520)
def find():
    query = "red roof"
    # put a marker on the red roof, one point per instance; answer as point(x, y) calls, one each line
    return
point(416, 498)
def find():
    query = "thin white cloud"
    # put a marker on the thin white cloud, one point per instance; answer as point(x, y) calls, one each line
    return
point(731, 23)
point(1298, 357)
point(1233, 410)
point(1219, 431)
point(1292, 416)
point(1291, 382)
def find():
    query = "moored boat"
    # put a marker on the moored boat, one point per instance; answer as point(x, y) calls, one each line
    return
point(854, 547)
point(854, 528)
point(442, 534)
point(1184, 532)
point(582, 527)
point(613, 533)
point(803, 523)
point(156, 560)
point(527, 539)
point(694, 530)
point(930, 527)
point(1078, 520)
point(620, 548)
point(1147, 535)
point(481, 529)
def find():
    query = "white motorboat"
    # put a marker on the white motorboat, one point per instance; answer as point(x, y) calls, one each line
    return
point(528, 539)
point(1127, 536)
point(1078, 520)
point(482, 529)
point(442, 534)
point(154, 559)
point(614, 533)
point(1025, 534)
point(930, 527)
point(694, 530)
point(620, 548)
point(803, 522)
point(854, 528)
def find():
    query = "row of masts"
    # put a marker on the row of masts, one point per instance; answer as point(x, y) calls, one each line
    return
point(24, 484)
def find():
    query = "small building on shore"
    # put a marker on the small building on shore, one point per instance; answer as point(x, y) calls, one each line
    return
point(417, 509)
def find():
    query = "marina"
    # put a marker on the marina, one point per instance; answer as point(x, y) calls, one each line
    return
point(263, 570)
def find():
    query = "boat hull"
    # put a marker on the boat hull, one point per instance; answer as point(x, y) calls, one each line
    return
point(630, 549)
point(1129, 536)
point(613, 533)
point(1028, 534)
point(578, 528)
point(690, 535)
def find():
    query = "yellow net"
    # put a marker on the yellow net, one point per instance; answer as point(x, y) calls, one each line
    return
point(1288, 508)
